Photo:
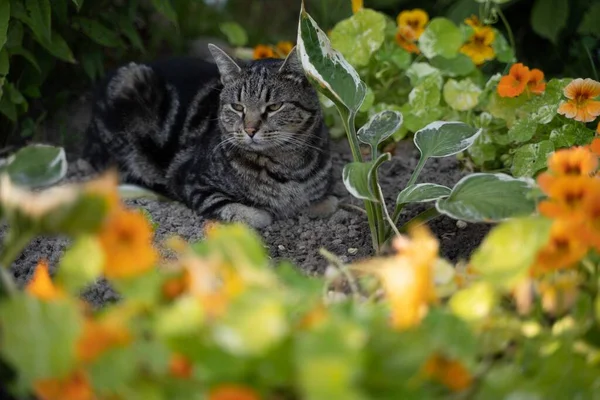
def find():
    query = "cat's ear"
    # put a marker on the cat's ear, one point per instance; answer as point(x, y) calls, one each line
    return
point(292, 63)
point(228, 68)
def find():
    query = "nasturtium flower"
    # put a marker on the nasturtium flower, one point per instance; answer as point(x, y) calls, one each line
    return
point(563, 249)
point(573, 161)
point(595, 145)
point(415, 19)
point(75, 386)
point(180, 366)
point(41, 285)
point(106, 186)
point(261, 51)
point(581, 105)
point(536, 82)
point(233, 392)
point(405, 37)
point(515, 82)
point(566, 195)
point(357, 5)
point(479, 46)
point(450, 373)
point(126, 239)
point(473, 21)
point(101, 335)
point(591, 211)
point(284, 48)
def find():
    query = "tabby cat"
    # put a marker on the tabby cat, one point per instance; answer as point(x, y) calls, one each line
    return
point(233, 141)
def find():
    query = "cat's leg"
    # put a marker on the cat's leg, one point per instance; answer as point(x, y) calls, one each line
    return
point(323, 208)
point(222, 207)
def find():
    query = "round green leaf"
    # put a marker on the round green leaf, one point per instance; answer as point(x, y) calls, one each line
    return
point(488, 198)
point(531, 158)
point(422, 193)
point(81, 264)
point(359, 36)
point(461, 95)
point(236, 35)
point(326, 67)
point(460, 65)
point(442, 139)
point(360, 178)
point(475, 302)
point(380, 127)
point(37, 165)
point(509, 249)
point(441, 38)
point(522, 131)
point(504, 53)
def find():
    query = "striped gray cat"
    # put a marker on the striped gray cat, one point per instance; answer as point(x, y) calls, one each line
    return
point(233, 141)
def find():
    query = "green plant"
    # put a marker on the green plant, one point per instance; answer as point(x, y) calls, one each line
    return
point(478, 197)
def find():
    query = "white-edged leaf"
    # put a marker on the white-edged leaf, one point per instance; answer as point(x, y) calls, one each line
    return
point(484, 197)
point(380, 127)
point(37, 165)
point(326, 67)
point(360, 178)
point(443, 138)
point(422, 193)
point(129, 191)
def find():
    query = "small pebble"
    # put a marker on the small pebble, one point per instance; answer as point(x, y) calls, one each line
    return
point(352, 250)
point(461, 224)
point(281, 247)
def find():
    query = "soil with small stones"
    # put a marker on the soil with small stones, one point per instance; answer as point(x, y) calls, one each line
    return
point(345, 233)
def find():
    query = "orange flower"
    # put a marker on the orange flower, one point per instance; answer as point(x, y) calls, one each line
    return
point(598, 128)
point(573, 161)
point(405, 37)
point(566, 193)
point(450, 373)
point(357, 5)
point(284, 48)
point(176, 286)
point(564, 248)
point(536, 82)
point(473, 21)
point(594, 147)
point(180, 366)
point(41, 285)
point(515, 82)
point(233, 392)
point(127, 242)
point(414, 19)
point(479, 46)
point(591, 211)
point(100, 336)
point(559, 293)
point(581, 106)
point(314, 317)
point(74, 387)
point(261, 51)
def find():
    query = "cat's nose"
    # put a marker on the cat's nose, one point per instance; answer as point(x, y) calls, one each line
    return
point(250, 131)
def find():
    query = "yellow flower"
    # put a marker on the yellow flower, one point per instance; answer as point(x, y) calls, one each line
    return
point(127, 242)
point(479, 46)
point(580, 105)
point(41, 285)
point(73, 387)
point(450, 373)
point(415, 19)
point(405, 37)
point(261, 51)
point(357, 5)
point(284, 48)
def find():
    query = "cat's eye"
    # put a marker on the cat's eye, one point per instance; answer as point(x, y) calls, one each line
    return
point(274, 107)
point(237, 107)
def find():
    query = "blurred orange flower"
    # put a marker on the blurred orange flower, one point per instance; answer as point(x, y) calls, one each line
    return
point(405, 37)
point(536, 82)
point(450, 373)
point(73, 387)
point(566, 194)
point(127, 242)
point(580, 105)
point(284, 48)
point(180, 366)
point(101, 335)
point(357, 5)
point(573, 161)
point(479, 46)
point(261, 51)
point(233, 392)
point(563, 249)
point(594, 147)
point(107, 187)
point(559, 293)
point(415, 19)
point(41, 285)
point(515, 82)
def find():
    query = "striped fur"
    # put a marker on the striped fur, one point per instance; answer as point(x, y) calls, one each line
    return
point(178, 127)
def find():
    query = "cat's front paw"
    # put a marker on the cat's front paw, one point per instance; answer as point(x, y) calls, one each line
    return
point(254, 217)
point(323, 208)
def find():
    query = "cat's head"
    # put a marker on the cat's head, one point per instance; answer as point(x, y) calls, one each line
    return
point(267, 104)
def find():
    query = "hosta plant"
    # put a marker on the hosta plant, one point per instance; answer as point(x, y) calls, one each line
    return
point(476, 198)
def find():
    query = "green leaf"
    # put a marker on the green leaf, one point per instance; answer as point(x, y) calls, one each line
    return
point(424, 96)
point(481, 293)
point(40, 15)
point(441, 38)
point(26, 54)
point(39, 337)
point(416, 119)
point(444, 332)
point(78, 4)
point(422, 193)
point(8, 109)
point(571, 134)
point(488, 198)
point(531, 158)
point(37, 165)
point(522, 131)
point(420, 71)
point(97, 32)
point(165, 8)
point(380, 127)
point(236, 35)
point(360, 178)
point(504, 53)
point(113, 370)
point(4, 18)
point(461, 95)
point(359, 36)
point(4, 68)
point(509, 250)
point(443, 139)
point(128, 29)
point(460, 65)
point(589, 25)
point(549, 17)
point(326, 67)
point(81, 264)
point(57, 46)
point(15, 34)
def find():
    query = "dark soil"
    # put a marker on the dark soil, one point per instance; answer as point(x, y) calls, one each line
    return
point(345, 233)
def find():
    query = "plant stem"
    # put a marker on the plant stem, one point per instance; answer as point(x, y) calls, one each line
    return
point(511, 38)
point(421, 218)
point(7, 285)
point(417, 171)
